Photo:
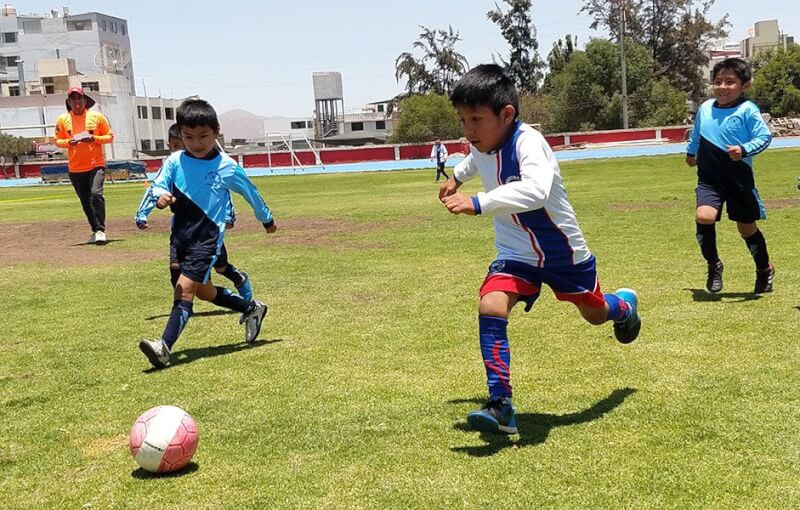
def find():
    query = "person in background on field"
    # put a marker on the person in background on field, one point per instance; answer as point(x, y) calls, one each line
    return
point(439, 156)
point(728, 133)
point(83, 132)
point(222, 266)
point(537, 236)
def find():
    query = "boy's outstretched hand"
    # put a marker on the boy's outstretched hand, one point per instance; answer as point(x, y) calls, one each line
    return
point(448, 188)
point(165, 200)
point(459, 203)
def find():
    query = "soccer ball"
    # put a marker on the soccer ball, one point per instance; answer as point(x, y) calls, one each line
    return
point(163, 439)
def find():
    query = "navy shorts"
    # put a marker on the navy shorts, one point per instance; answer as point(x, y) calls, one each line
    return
point(195, 260)
point(577, 284)
point(222, 258)
point(744, 206)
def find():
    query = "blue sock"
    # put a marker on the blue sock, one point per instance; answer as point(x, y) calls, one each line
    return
point(618, 309)
point(496, 355)
point(181, 311)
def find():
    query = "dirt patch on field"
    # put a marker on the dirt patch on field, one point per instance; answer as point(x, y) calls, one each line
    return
point(102, 445)
point(643, 206)
point(62, 243)
point(781, 203)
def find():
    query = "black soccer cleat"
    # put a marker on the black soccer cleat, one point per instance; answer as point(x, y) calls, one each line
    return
point(764, 279)
point(714, 281)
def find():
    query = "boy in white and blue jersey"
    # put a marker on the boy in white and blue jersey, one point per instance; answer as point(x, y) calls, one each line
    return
point(439, 156)
point(222, 265)
point(728, 133)
point(196, 184)
point(537, 236)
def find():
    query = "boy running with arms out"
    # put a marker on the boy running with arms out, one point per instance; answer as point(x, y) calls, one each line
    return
point(536, 233)
point(728, 132)
point(196, 184)
point(222, 266)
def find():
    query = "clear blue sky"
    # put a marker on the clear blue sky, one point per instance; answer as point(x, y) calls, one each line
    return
point(259, 55)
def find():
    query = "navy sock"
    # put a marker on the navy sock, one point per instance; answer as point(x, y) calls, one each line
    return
point(181, 311)
point(496, 355)
point(233, 274)
point(758, 249)
point(707, 238)
point(618, 309)
point(227, 299)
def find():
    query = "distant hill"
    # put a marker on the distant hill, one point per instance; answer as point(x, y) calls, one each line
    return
point(244, 124)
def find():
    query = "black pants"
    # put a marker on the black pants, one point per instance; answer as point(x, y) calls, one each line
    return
point(440, 171)
point(89, 187)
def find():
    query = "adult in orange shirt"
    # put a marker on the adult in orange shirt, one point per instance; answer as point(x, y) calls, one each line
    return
point(84, 132)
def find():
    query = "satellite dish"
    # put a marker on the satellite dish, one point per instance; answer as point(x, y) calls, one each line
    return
point(111, 60)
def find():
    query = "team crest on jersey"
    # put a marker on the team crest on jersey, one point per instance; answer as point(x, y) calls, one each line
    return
point(734, 124)
point(497, 266)
point(213, 180)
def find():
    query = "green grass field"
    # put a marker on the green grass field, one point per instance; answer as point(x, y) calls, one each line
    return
point(356, 395)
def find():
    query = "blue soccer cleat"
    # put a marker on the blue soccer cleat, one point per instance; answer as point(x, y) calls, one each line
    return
point(627, 329)
point(498, 416)
point(245, 290)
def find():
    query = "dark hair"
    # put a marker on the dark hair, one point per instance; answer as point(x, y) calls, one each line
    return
point(486, 85)
point(741, 68)
point(194, 112)
point(174, 131)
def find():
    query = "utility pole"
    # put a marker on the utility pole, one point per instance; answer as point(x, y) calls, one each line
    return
point(624, 68)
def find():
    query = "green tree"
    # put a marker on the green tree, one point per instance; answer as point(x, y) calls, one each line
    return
point(516, 25)
point(776, 84)
point(440, 66)
point(423, 118)
point(677, 32)
point(11, 149)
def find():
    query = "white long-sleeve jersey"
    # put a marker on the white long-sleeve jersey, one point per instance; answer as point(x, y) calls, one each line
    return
point(533, 219)
point(439, 153)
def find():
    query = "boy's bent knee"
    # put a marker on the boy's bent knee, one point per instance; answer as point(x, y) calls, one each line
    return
point(497, 304)
point(593, 315)
point(747, 229)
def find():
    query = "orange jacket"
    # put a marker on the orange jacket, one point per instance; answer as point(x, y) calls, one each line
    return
point(83, 156)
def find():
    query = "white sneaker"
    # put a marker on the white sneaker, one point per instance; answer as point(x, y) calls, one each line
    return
point(100, 237)
point(252, 321)
point(93, 239)
point(156, 351)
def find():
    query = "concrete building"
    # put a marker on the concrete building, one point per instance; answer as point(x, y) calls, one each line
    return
point(765, 35)
point(97, 43)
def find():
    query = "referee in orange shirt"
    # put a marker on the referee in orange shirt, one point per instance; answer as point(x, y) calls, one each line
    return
point(83, 133)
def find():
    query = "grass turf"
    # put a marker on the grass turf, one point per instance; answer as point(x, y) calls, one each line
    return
point(356, 394)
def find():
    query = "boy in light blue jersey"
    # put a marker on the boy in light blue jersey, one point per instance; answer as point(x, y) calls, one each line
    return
point(728, 133)
point(222, 265)
point(196, 184)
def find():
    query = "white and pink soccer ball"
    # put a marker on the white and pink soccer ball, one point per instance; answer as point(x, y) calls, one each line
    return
point(163, 439)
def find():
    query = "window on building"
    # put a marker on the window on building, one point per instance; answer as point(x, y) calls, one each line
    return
point(159, 145)
point(49, 89)
point(123, 29)
point(169, 113)
point(103, 25)
point(381, 108)
point(11, 61)
point(380, 124)
point(114, 27)
point(299, 124)
point(142, 112)
point(91, 86)
point(156, 113)
point(13, 90)
point(79, 25)
point(357, 126)
point(9, 37)
point(145, 145)
point(32, 27)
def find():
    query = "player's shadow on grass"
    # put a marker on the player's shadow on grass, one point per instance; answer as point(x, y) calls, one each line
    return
point(702, 296)
point(534, 428)
point(190, 355)
point(189, 468)
point(100, 245)
point(212, 313)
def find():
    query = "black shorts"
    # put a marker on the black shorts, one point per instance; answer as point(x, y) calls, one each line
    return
point(195, 260)
point(743, 205)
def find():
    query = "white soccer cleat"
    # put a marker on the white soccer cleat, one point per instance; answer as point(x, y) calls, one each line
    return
point(156, 351)
point(92, 239)
point(100, 237)
point(252, 322)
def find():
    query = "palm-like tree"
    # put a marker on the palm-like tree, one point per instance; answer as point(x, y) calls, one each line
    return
point(446, 64)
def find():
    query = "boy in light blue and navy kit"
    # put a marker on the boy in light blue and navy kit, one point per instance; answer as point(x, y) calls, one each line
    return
point(196, 184)
point(728, 133)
